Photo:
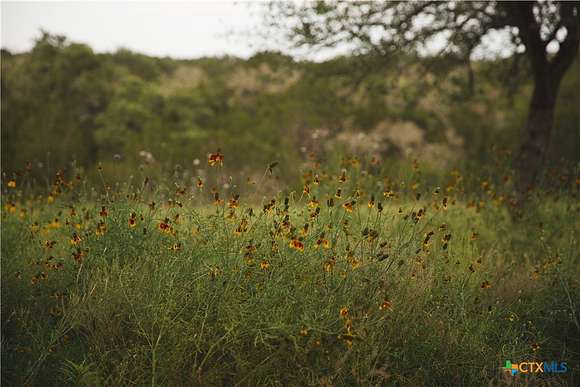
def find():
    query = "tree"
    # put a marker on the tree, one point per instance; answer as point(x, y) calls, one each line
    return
point(50, 98)
point(546, 32)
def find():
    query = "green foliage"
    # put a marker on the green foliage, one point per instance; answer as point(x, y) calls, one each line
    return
point(64, 103)
point(405, 277)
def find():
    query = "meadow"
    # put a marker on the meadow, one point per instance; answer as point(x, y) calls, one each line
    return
point(360, 275)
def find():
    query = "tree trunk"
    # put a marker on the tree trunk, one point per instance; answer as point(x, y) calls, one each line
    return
point(548, 73)
point(537, 134)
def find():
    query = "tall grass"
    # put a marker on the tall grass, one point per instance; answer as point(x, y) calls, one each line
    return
point(394, 281)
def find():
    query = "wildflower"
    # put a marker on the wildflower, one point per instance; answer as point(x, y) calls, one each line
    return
point(216, 159)
point(76, 239)
point(132, 220)
point(348, 325)
point(78, 255)
point(303, 332)
point(243, 227)
point(329, 264)
point(426, 240)
point(101, 228)
point(420, 213)
point(348, 206)
point(371, 203)
point(338, 193)
point(386, 305)
point(249, 258)
point(180, 191)
point(234, 201)
point(10, 207)
point(103, 212)
point(251, 248)
point(387, 193)
point(535, 347)
point(315, 213)
point(175, 247)
point(269, 206)
point(473, 236)
point(342, 177)
point(286, 222)
point(12, 184)
point(165, 227)
point(313, 203)
point(54, 224)
point(216, 199)
point(485, 284)
point(264, 265)
point(50, 199)
point(199, 183)
point(343, 312)
point(297, 245)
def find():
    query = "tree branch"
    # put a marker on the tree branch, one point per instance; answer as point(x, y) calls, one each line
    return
point(570, 18)
point(521, 15)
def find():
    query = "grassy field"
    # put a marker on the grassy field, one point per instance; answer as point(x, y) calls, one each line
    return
point(353, 279)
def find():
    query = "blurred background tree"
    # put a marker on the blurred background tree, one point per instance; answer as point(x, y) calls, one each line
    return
point(62, 102)
point(546, 32)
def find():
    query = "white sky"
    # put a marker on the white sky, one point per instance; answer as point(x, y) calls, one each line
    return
point(186, 29)
point(178, 29)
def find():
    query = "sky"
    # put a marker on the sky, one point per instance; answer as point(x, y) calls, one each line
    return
point(186, 29)
point(189, 29)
